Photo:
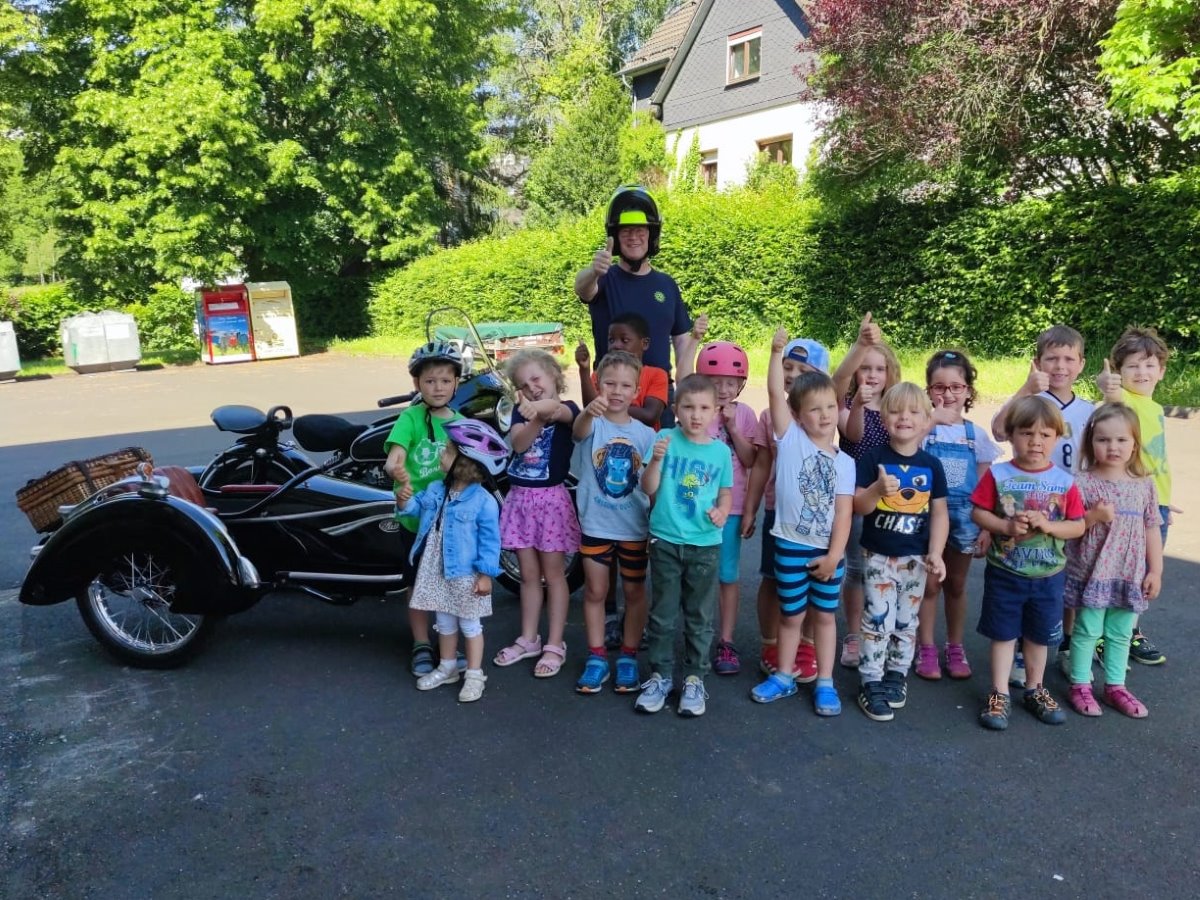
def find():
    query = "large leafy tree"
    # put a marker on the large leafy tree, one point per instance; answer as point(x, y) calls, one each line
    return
point(1004, 88)
point(285, 138)
point(1151, 60)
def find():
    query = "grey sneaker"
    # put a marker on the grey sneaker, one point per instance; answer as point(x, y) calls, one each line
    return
point(1016, 677)
point(654, 694)
point(691, 701)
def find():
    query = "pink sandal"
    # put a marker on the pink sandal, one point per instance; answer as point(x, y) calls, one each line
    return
point(553, 657)
point(1118, 697)
point(519, 649)
point(1083, 701)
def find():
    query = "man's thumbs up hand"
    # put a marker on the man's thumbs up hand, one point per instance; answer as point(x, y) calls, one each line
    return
point(602, 261)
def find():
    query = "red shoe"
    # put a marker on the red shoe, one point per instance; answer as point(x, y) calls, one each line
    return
point(768, 660)
point(806, 663)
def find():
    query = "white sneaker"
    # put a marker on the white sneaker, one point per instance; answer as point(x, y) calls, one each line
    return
point(691, 701)
point(654, 694)
point(1017, 676)
point(473, 684)
point(436, 678)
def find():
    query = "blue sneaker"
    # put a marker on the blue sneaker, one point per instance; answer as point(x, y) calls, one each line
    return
point(595, 673)
point(654, 694)
point(627, 675)
point(826, 701)
point(774, 688)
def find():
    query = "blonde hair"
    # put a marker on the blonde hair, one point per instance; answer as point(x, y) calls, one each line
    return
point(1030, 411)
point(1135, 467)
point(548, 363)
point(618, 358)
point(891, 367)
point(901, 396)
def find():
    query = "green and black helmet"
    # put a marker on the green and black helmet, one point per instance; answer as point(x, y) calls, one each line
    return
point(631, 204)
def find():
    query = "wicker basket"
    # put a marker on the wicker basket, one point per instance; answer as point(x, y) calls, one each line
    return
point(74, 483)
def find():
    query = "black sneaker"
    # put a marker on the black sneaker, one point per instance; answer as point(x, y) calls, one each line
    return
point(1141, 650)
point(995, 714)
point(1044, 707)
point(872, 700)
point(895, 689)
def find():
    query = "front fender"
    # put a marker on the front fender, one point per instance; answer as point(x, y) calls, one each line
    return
point(217, 580)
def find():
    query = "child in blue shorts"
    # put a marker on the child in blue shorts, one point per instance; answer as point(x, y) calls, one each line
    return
point(814, 490)
point(1032, 508)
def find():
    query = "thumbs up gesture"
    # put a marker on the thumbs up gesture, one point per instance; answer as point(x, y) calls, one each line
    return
point(886, 484)
point(700, 326)
point(779, 340)
point(660, 448)
point(1037, 381)
point(603, 259)
point(869, 334)
point(1109, 383)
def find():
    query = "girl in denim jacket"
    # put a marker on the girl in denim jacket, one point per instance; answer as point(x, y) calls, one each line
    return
point(459, 535)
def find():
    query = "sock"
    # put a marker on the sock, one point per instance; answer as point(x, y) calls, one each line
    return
point(768, 642)
point(825, 682)
point(598, 651)
point(448, 665)
point(478, 673)
point(628, 651)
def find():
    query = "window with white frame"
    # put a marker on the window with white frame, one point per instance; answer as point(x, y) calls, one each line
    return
point(708, 168)
point(745, 56)
point(777, 149)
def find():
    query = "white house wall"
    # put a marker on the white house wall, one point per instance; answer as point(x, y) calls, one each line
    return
point(736, 140)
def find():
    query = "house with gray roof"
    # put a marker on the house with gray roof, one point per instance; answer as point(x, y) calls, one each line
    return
point(725, 72)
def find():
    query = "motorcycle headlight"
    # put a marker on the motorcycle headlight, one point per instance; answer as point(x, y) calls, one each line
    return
point(504, 411)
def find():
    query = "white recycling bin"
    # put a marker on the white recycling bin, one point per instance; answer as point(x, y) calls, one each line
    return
point(10, 359)
point(100, 342)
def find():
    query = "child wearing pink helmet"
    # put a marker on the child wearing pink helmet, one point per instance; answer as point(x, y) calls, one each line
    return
point(737, 426)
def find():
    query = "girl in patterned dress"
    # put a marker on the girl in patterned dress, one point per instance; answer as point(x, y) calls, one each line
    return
point(1115, 569)
point(862, 378)
point(459, 534)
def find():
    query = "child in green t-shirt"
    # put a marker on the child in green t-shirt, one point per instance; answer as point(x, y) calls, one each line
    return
point(1133, 370)
point(414, 447)
point(690, 475)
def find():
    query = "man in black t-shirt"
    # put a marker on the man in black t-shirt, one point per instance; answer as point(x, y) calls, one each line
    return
point(633, 285)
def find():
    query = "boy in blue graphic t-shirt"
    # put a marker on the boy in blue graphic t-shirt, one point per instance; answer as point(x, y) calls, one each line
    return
point(690, 475)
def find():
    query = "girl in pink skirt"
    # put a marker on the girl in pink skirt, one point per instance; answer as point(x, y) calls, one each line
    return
point(538, 519)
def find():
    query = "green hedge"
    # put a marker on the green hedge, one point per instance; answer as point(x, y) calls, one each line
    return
point(165, 318)
point(987, 277)
point(734, 255)
point(991, 277)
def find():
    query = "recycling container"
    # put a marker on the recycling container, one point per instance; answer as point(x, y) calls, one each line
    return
point(225, 331)
point(273, 318)
point(10, 360)
point(100, 342)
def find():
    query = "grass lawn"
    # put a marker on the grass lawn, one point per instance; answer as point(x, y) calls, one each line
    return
point(999, 377)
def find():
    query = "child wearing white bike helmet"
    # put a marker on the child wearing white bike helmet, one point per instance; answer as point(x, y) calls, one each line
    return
point(414, 447)
point(459, 542)
point(736, 425)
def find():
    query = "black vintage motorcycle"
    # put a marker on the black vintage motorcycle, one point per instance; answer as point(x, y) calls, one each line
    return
point(151, 572)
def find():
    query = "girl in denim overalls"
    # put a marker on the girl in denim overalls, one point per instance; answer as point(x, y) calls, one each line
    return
point(965, 452)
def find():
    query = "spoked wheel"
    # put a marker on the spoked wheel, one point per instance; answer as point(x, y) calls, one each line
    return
point(127, 608)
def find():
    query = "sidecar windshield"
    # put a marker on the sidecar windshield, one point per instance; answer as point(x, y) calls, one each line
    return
point(449, 323)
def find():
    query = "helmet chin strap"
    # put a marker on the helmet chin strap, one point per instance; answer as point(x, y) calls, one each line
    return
point(635, 265)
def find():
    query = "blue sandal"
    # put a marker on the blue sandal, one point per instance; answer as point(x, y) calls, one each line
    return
point(826, 701)
point(595, 673)
point(422, 659)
